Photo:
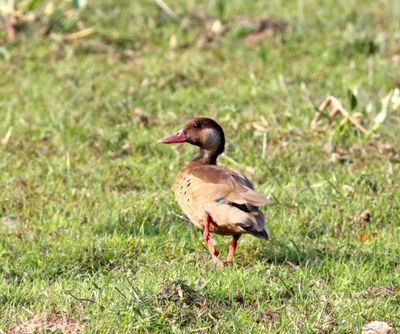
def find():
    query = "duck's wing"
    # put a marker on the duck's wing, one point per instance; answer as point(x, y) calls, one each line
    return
point(231, 219)
point(220, 184)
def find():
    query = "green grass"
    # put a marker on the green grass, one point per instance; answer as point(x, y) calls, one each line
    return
point(98, 221)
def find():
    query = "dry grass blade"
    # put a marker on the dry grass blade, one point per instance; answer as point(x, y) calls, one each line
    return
point(166, 9)
point(79, 34)
point(6, 138)
point(9, 29)
point(7, 11)
point(337, 109)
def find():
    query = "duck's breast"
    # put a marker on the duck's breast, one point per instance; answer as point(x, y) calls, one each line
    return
point(183, 193)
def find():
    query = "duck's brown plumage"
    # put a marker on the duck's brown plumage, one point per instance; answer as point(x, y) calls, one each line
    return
point(204, 188)
point(226, 195)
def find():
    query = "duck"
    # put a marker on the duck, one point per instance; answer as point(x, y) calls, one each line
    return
point(216, 199)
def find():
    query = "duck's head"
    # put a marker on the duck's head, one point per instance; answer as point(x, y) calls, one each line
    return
point(204, 133)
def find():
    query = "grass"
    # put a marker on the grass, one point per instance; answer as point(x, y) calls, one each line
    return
point(90, 229)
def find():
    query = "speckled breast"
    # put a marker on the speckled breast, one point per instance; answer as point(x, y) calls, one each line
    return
point(182, 190)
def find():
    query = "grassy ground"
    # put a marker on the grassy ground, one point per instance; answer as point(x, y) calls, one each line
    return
point(89, 228)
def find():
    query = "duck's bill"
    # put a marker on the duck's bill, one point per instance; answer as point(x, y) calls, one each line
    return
point(178, 137)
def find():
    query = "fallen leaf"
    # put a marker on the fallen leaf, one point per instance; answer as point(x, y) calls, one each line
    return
point(396, 58)
point(140, 116)
point(348, 190)
point(376, 327)
point(49, 9)
point(218, 28)
point(365, 216)
point(387, 149)
point(364, 236)
point(173, 42)
point(126, 148)
point(340, 154)
point(250, 170)
point(259, 127)
point(284, 145)
point(262, 28)
point(11, 222)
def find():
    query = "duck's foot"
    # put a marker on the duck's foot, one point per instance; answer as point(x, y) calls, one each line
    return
point(231, 249)
point(211, 248)
point(227, 262)
point(217, 263)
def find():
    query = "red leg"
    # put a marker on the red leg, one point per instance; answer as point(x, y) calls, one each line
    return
point(232, 248)
point(207, 238)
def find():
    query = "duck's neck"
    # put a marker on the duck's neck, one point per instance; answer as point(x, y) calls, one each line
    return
point(209, 157)
point(206, 157)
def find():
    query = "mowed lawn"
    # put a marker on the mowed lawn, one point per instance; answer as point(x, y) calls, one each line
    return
point(90, 234)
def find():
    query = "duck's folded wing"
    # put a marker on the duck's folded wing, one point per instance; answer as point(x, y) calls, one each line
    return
point(214, 183)
point(231, 219)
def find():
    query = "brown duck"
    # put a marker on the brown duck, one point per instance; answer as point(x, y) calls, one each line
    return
point(215, 198)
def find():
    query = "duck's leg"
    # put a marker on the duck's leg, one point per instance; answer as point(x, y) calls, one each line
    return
point(207, 238)
point(232, 248)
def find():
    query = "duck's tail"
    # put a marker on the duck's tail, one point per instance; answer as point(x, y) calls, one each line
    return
point(261, 234)
point(255, 225)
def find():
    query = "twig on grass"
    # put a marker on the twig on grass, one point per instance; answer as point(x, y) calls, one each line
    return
point(91, 300)
point(337, 109)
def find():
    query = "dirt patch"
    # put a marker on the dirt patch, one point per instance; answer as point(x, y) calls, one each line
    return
point(260, 29)
point(179, 292)
point(51, 323)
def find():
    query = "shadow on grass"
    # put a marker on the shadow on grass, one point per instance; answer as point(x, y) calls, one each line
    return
point(148, 227)
point(279, 252)
point(290, 253)
point(144, 229)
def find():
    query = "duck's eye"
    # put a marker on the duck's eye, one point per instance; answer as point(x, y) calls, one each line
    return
point(197, 125)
